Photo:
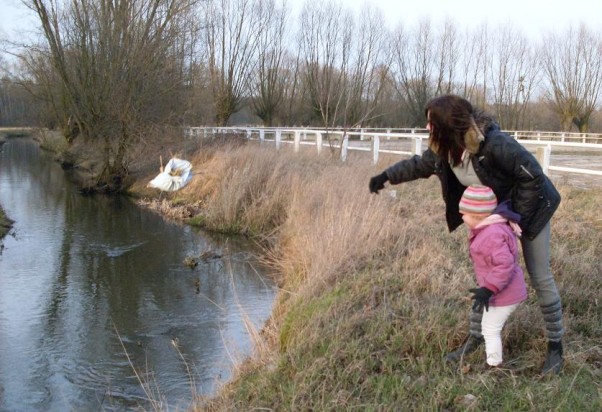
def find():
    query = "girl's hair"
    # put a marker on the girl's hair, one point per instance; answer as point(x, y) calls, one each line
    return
point(450, 116)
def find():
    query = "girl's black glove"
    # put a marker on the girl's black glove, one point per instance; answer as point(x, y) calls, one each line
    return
point(378, 182)
point(481, 298)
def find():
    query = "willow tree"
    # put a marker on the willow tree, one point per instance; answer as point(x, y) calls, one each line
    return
point(513, 76)
point(368, 69)
point(474, 65)
point(414, 68)
point(325, 41)
point(232, 33)
point(572, 63)
point(268, 82)
point(118, 71)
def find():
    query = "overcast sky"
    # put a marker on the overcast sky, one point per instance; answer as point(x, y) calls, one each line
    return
point(12, 14)
point(533, 17)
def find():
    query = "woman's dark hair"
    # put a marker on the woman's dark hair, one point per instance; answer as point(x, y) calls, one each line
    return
point(450, 116)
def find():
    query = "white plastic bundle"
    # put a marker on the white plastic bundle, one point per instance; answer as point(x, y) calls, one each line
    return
point(176, 175)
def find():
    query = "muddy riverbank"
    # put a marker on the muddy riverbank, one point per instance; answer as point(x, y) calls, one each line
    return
point(5, 222)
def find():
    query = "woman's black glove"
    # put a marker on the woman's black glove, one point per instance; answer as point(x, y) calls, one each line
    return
point(481, 298)
point(378, 182)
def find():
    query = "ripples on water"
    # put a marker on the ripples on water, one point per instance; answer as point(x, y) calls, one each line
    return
point(93, 287)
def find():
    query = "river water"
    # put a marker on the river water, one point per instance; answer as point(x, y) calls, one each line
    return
point(97, 309)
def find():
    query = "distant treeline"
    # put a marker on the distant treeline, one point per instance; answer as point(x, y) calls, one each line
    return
point(251, 61)
point(110, 71)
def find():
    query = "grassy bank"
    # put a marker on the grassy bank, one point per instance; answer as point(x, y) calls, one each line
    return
point(374, 291)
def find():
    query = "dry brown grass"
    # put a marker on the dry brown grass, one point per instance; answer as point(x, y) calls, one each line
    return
point(374, 291)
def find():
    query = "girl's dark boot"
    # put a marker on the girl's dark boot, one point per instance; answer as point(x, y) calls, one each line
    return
point(554, 359)
point(470, 345)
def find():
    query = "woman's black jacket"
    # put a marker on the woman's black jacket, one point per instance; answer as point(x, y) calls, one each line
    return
point(501, 163)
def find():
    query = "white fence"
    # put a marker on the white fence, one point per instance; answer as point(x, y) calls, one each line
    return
point(407, 141)
point(562, 137)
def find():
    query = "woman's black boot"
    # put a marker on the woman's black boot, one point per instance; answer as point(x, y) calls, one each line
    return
point(554, 359)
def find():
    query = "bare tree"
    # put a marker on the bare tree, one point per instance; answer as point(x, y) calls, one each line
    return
point(42, 82)
point(233, 31)
point(513, 76)
point(389, 111)
point(117, 71)
point(474, 65)
point(269, 80)
point(414, 64)
point(448, 52)
point(572, 63)
point(193, 63)
point(294, 93)
point(17, 107)
point(368, 69)
point(325, 45)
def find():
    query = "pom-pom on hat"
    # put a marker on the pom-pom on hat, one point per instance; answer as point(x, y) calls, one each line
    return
point(478, 200)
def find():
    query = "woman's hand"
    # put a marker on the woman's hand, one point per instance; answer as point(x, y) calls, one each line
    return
point(378, 182)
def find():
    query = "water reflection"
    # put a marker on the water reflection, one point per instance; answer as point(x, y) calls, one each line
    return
point(95, 298)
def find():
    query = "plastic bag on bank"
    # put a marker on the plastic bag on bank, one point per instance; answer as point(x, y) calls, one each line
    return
point(176, 174)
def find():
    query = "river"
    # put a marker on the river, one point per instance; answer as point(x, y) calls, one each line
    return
point(98, 310)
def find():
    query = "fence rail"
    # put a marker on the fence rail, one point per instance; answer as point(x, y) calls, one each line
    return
point(563, 137)
point(408, 142)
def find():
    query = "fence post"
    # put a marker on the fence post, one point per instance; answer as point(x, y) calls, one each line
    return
point(344, 147)
point(297, 140)
point(278, 138)
point(417, 146)
point(261, 135)
point(543, 155)
point(362, 137)
point(375, 148)
point(248, 134)
point(319, 142)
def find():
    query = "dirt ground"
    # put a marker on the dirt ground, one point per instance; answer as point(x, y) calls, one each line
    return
point(592, 161)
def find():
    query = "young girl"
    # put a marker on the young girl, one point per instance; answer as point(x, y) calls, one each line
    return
point(494, 254)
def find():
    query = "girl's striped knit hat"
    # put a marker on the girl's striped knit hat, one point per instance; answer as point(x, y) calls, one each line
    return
point(478, 200)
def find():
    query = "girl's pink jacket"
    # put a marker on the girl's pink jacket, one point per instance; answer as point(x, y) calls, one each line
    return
point(494, 254)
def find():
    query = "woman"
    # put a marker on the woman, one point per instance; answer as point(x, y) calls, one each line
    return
point(466, 147)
